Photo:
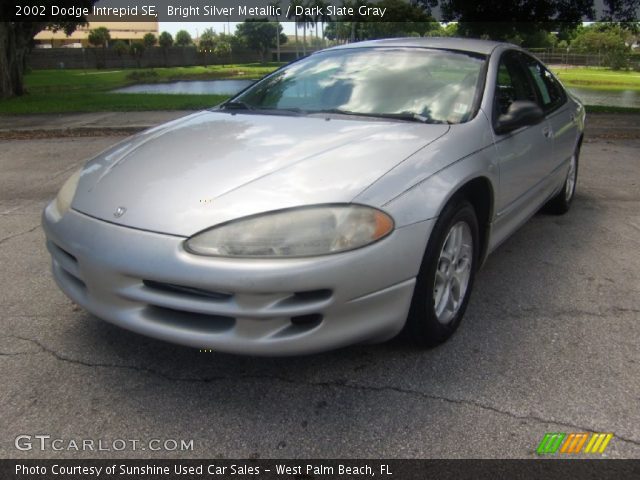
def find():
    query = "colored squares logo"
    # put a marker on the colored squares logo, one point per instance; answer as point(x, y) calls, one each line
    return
point(598, 442)
point(573, 443)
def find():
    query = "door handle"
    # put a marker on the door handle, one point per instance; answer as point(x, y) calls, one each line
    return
point(572, 117)
point(547, 132)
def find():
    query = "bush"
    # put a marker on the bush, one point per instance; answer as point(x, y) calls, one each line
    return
point(616, 60)
point(142, 75)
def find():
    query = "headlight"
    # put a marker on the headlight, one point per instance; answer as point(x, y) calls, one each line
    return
point(66, 193)
point(299, 232)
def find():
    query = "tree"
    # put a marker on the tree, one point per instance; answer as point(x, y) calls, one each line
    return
point(291, 14)
point(100, 37)
point(120, 48)
point(222, 50)
point(338, 31)
point(518, 18)
point(275, 4)
point(608, 39)
point(401, 19)
point(16, 40)
point(207, 43)
point(166, 41)
point(258, 35)
point(136, 50)
point(304, 20)
point(323, 17)
point(622, 10)
point(149, 40)
point(183, 39)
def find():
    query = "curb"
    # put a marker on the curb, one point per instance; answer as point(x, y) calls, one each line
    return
point(35, 133)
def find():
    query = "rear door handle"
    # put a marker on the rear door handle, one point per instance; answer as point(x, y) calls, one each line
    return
point(547, 132)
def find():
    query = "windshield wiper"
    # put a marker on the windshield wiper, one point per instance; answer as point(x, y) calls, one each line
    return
point(236, 105)
point(409, 116)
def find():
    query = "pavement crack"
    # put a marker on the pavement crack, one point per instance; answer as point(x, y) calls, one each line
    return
point(6, 239)
point(331, 384)
point(457, 401)
point(63, 358)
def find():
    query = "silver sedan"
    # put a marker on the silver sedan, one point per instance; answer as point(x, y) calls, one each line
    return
point(341, 199)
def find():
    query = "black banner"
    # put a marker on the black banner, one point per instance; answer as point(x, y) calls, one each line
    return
point(318, 469)
point(288, 10)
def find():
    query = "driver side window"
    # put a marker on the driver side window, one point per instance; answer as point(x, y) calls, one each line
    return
point(512, 84)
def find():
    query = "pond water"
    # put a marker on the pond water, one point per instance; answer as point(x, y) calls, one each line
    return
point(197, 87)
point(616, 98)
point(612, 98)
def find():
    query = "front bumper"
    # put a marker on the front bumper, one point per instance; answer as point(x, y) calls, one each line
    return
point(146, 282)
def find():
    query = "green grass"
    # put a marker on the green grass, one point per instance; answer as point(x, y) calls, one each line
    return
point(65, 91)
point(598, 78)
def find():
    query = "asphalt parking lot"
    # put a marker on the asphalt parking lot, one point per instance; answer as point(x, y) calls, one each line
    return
point(550, 343)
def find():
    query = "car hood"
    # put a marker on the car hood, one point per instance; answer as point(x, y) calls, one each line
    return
point(211, 167)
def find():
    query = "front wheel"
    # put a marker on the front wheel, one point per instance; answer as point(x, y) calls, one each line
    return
point(561, 203)
point(444, 283)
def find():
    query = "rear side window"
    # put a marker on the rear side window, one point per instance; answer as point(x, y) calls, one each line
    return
point(551, 93)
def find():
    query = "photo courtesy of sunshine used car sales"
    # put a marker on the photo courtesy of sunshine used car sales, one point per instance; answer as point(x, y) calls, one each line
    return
point(329, 239)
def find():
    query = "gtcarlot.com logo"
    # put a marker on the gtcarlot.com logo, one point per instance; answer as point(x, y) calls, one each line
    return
point(47, 442)
point(573, 443)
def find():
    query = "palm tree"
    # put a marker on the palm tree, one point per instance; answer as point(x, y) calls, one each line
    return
point(322, 17)
point(305, 20)
point(292, 14)
point(276, 5)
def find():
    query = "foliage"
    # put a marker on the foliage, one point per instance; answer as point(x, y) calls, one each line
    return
point(207, 40)
point(402, 19)
point(16, 40)
point(99, 37)
point(120, 47)
point(149, 40)
point(222, 49)
point(523, 19)
point(136, 50)
point(259, 35)
point(165, 40)
point(138, 76)
point(608, 39)
point(183, 39)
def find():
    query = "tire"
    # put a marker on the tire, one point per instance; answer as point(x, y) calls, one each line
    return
point(560, 204)
point(432, 320)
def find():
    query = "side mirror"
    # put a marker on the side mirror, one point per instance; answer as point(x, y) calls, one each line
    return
point(521, 113)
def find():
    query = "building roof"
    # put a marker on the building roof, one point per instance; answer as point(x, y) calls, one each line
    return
point(117, 31)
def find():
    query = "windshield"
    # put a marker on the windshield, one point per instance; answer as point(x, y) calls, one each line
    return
point(437, 86)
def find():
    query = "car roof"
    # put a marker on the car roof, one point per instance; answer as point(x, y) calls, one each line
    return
point(484, 47)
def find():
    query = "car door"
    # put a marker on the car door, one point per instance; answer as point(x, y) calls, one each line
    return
point(562, 120)
point(522, 153)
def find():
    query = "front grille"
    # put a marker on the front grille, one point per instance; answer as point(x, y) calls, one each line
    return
point(185, 290)
point(191, 321)
point(67, 264)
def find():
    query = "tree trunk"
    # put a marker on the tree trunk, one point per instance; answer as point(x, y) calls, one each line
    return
point(304, 39)
point(297, 46)
point(14, 46)
point(278, 39)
